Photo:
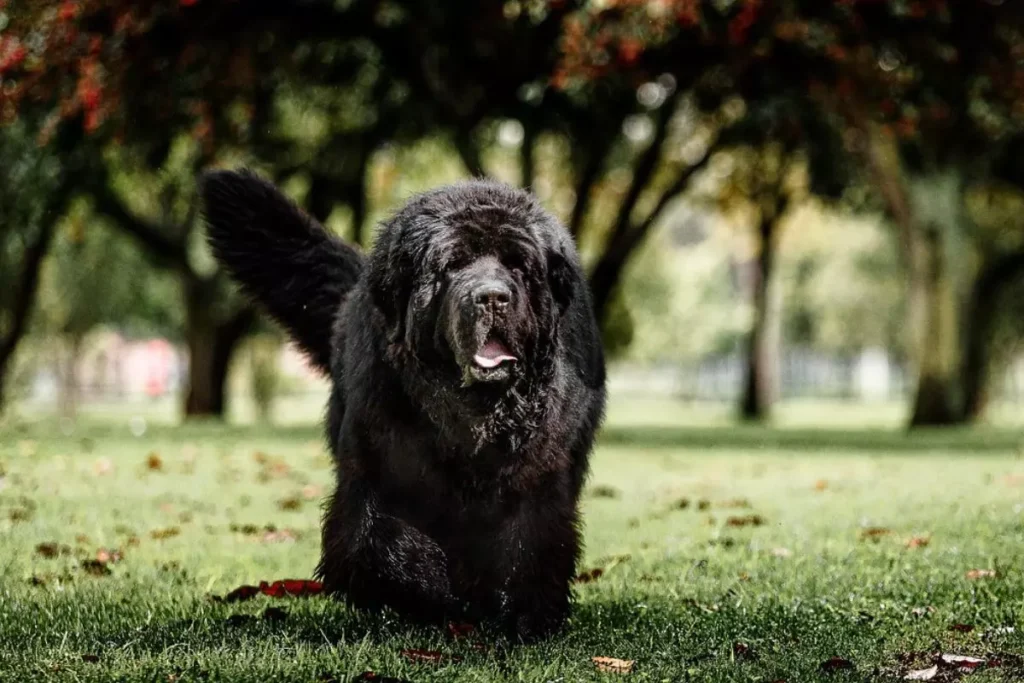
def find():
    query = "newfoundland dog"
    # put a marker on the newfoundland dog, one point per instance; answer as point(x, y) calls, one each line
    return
point(467, 383)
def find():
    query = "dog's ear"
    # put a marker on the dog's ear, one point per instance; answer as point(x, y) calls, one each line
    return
point(388, 280)
point(562, 278)
point(281, 257)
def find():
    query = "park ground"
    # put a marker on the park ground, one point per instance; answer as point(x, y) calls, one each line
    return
point(714, 553)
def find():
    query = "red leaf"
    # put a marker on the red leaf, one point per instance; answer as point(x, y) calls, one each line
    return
point(277, 589)
point(460, 630)
point(590, 575)
point(961, 628)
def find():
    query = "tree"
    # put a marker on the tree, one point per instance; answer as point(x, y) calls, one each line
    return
point(930, 96)
point(34, 191)
point(137, 80)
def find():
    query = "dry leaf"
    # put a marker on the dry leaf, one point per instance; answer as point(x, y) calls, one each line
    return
point(922, 674)
point(51, 550)
point(873, 533)
point(981, 574)
point(290, 504)
point(369, 676)
point(460, 630)
point(154, 462)
point(613, 665)
point(162, 534)
point(590, 575)
point(94, 567)
point(961, 628)
point(745, 520)
point(703, 504)
point(918, 541)
point(735, 503)
point(820, 485)
point(836, 664)
point(962, 661)
point(282, 536)
point(277, 589)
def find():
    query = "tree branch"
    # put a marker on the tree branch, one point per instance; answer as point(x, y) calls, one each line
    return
point(469, 152)
point(645, 168)
point(587, 179)
point(26, 288)
point(154, 238)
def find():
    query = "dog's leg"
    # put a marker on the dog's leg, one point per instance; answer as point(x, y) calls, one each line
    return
point(375, 559)
point(541, 544)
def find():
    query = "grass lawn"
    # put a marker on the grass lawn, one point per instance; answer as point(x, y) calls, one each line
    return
point(728, 554)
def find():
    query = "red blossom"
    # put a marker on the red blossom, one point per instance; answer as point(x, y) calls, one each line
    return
point(629, 50)
point(68, 10)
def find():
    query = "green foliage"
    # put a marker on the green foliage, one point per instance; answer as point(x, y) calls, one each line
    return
point(94, 276)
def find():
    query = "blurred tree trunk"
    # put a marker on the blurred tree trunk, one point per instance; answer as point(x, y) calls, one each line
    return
point(211, 343)
point(761, 384)
point(939, 280)
point(68, 356)
point(987, 294)
point(23, 299)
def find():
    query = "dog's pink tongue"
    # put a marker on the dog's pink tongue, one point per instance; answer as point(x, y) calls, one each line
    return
point(492, 354)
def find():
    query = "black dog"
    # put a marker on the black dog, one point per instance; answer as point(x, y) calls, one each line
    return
point(468, 381)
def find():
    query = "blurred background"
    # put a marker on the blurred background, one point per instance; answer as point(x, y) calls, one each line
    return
point(790, 210)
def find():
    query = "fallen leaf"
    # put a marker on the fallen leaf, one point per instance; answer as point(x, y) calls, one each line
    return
point(19, 515)
point(603, 491)
point(369, 676)
point(162, 534)
point(277, 589)
point(460, 630)
point(682, 503)
point(961, 628)
point(836, 664)
point(703, 504)
point(90, 658)
point(94, 567)
point(82, 539)
point(922, 674)
point(613, 665)
point(820, 485)
point(590, 575)
point(290, 504)
point(874, 533)
point(51, 550)
point(981, 574)
point(743, 652)
point(745, 520)
point(918, 542)
point(154, 462)
point(962, 661)
point(735, 503)
point(432, 656)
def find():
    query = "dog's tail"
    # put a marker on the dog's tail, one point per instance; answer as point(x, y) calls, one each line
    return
point(281, 257)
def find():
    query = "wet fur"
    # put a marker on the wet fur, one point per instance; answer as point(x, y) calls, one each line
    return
point(453, 501)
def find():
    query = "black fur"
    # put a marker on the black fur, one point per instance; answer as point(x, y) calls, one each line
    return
point(458, 482)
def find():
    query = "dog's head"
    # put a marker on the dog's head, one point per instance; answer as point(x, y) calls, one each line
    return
point(472, 281)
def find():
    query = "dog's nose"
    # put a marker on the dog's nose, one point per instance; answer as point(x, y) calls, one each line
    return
point(493, 294)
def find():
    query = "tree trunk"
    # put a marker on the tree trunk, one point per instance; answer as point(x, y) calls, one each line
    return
point(938, 273)
point(67, 365)
point(211, 345)
point(986, 295)
point(761, 382)
point(24, 299)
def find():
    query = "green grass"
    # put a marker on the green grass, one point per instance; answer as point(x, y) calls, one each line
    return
point(681, 586)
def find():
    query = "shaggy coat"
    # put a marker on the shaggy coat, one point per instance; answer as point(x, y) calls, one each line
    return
point(467, 385)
